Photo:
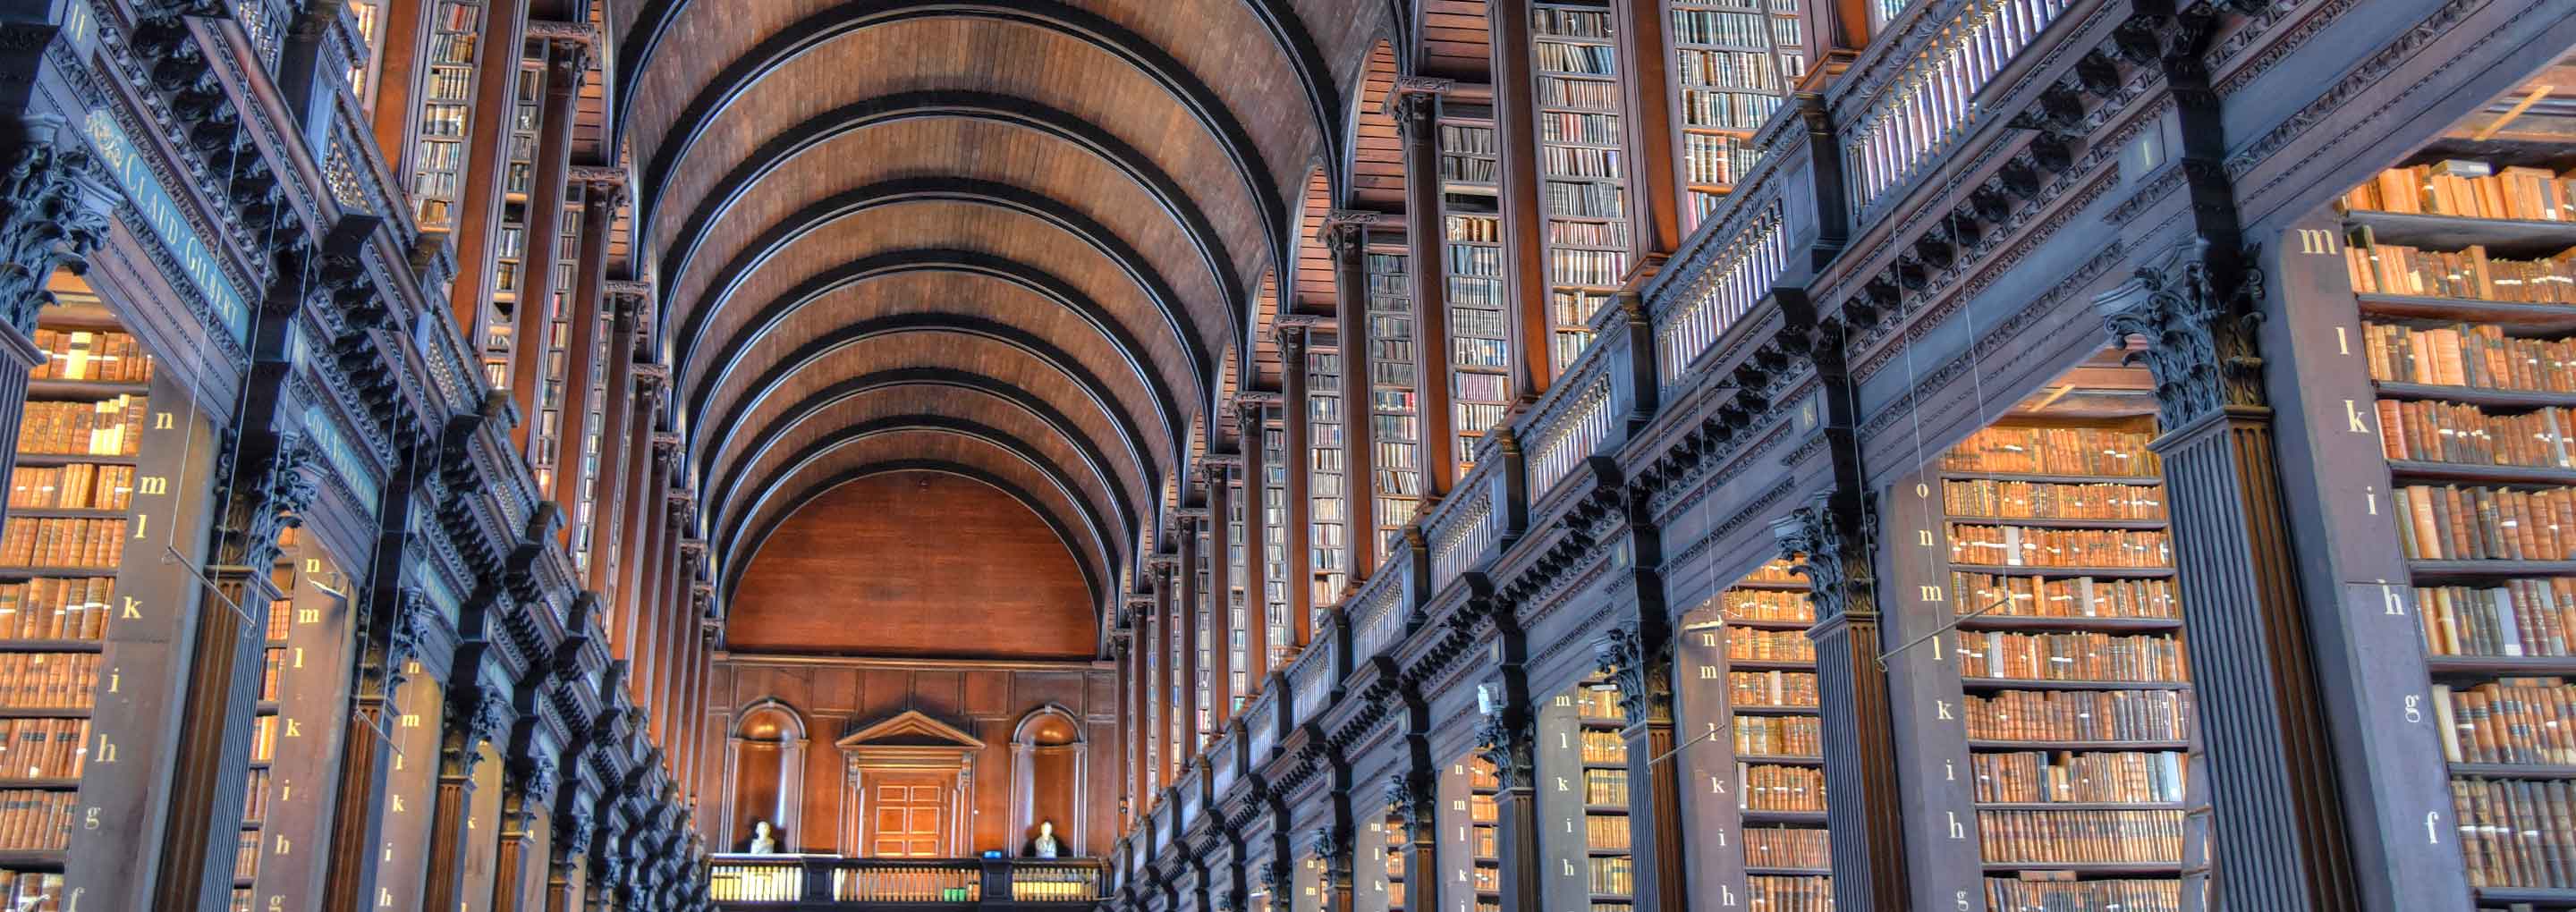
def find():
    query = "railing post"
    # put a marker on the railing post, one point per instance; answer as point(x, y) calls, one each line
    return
point(997, 880)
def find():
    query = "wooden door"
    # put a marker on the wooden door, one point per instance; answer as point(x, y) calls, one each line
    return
point(908, 814)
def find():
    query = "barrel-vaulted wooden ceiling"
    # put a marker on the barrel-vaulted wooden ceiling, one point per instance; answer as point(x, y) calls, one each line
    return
point(1013, 240)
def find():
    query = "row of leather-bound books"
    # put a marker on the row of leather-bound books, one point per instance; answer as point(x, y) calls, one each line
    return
point(2002, 499)
point(2018, 546)
point(1771, 688)
point(1770, 645)
point(2072, 656)
point(1766, 605)
point(2005, 595)
point(2521, 617)
point(2465, 434)
point(1787, 847)
point(89, 354)
point(2090, 777)
point(2517, 832)
point(35, 819)
point(2468, 188)
point(78, 486)
point(2079, 715)
point(47, 680)
point(60, 542)
point(56, 608)
point(108, 427)
point(1779, 736)
point(1771, 787)
point(2508, 720)
point(2456, 522)
point(2478, 356)
point(2054, 451)
point(1791, 893)
point(2047, 837)
point(2395, 269)
point(2008, 894)
point(42, 748)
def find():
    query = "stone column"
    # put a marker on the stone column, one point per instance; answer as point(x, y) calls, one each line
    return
point(532, 318)
point(475, 717)
point(1292, 423)
point(1415, 108)
point(2254, 679)
point(1861, 800)
point(1346, 236)
point(1638, 657)
point(1517, 184)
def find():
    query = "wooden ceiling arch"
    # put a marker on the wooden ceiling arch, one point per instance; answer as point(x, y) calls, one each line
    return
point(1189, 92)
point(646, 36)
point(1025, 242)
point(1171, 199)
point(804, 359)
point(795, 416)
point(765, 506)
point(767, 322)
point(1064, 217)
point(998, 482)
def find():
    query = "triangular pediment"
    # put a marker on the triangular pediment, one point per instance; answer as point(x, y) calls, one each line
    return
point(910, 729)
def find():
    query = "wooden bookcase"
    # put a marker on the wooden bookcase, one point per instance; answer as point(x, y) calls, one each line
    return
point(440, 158)
point(70, 498)
point(1394, 392)
point(1276, 575)
point(1328, 519)
point(1728, 76)
point(2455, 273)
point(1747, 691)
point(1387, 854)
point(1582, 168)
point(1480, 343)
point(264, 728)
point(2038, 619)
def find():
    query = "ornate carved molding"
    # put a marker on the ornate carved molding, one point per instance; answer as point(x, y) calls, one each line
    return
point(1642, 672)
point(1503, 739)
point(2197, 308)
point(55, 199)
point(1832, 542)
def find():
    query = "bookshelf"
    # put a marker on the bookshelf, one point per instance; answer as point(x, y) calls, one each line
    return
point(1479, 326)
point(70, 497)
point(1748, 684)
point(1469, 815)
point(1327, 518)
point(1582, 794)
point(1395, 425)
point(2457, 273)
point(1730, 70)
point(265, 719)
point(439, 155)
point(2046, 619)
point(553, 391)
point(1582, 168)
point(1389, 853)
point(1203, 646)
point(1275, 578)
point(1237, 608)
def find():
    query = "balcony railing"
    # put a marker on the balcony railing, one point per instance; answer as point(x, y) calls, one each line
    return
point(1702, 306)
point(753, 880)
point(1377, 614)
point(1932, 99)
point(1466, 524)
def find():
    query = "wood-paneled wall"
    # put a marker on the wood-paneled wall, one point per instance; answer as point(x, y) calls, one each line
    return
point(834, 697)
